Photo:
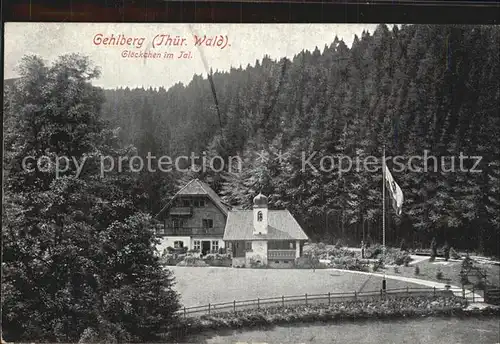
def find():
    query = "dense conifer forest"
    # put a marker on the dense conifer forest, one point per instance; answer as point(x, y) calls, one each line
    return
point(411, 89)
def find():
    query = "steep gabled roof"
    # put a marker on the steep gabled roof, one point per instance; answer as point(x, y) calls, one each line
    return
point(197, 187)
point(281, 226)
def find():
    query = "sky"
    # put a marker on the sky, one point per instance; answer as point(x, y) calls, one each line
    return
point(241, 44)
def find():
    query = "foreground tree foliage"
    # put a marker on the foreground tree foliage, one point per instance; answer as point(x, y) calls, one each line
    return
point(412, 88)
point(78, 255)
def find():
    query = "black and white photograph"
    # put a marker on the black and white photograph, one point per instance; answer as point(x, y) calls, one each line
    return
point(251, 183)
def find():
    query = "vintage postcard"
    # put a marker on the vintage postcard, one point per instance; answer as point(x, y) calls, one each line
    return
point(241, 183)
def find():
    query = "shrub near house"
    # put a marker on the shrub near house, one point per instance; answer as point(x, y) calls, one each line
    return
point(195, 259)
point(393, 256)
point(342, 258)
point(216, 259)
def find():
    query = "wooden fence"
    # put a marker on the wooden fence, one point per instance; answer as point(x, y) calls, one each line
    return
point(306, 299)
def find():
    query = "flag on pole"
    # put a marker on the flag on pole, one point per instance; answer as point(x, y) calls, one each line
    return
point(394, 191)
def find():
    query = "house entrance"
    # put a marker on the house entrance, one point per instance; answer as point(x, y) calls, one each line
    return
point(205, 247)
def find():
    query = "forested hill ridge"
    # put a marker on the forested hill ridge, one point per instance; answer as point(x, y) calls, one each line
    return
point(412, 88)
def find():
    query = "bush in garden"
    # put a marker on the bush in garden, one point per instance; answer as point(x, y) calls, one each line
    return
point(417, 270)
point(313, 249)
point(402, 246)
point(392, 255)
point(256, 263)
point(369, 241)
point(377, 265)
point(339, 262)
point(396, 270)
point(210, 256)
point(374, 251)
point(338, 244)
point(350, 263)
point(192, 261)
point(303, 263)
point(171, 259)
point(454, 254)
point(321, 246)
point(216, 259)
point(446, 251)
point(433, 249)
point(407, 260)
point(191, 253)
point(338, 253)
point(467, 263)
point(361, 266)
point(439, 275)
point(395, 256)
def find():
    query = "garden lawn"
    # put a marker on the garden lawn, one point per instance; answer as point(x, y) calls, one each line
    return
point(203, 285)
point(450, 270)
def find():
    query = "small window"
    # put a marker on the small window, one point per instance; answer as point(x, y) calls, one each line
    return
point(276, 261)
point(248, 245)
point(186, 203)
point(285, 261)
point(197, 245)
point(215, 245)
point(208, 223)
point(177, 223)
point(178, 244)
point(259, 216)
point(199, 203)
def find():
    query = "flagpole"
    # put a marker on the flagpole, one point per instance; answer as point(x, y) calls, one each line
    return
point(383, 215)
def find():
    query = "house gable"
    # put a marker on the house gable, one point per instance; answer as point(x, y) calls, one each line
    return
point(207, 215)
point(195, 188)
